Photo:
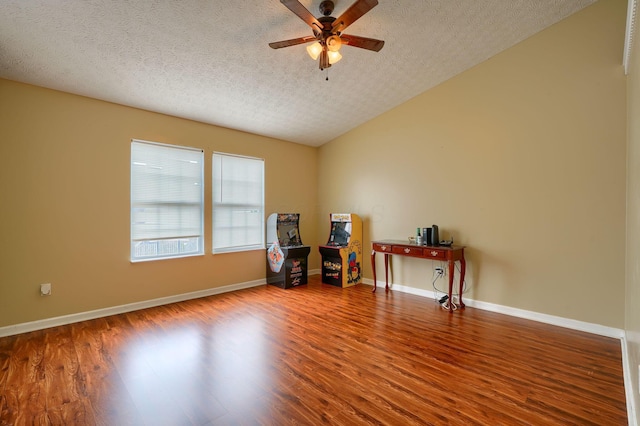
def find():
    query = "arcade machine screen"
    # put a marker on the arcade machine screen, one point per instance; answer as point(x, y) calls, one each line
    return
point(340, 233)
point(288, 234)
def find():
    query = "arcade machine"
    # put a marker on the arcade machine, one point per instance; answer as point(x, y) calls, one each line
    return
point(286, 256)
point(342, 255)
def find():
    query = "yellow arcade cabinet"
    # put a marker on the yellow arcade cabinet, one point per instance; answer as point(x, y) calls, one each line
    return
point(342, 255)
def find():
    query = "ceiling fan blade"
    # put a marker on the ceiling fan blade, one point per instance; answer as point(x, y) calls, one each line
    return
point(362, 42)
point(303, 13)
point(355, 11)
point(292, 42)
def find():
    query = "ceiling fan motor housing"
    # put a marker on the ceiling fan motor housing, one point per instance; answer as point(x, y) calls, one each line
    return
point(326, 7)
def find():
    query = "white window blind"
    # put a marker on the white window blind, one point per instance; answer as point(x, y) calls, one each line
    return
point(238, 203)
point(167, 201)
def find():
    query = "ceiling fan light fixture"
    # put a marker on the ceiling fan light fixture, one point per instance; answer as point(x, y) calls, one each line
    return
point(314, 50)
point(334, 43)
point(334, 56)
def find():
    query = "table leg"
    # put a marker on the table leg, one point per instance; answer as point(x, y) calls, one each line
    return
point(451, 271)
point(386, 272)
point(373, 267)
point(463, 267)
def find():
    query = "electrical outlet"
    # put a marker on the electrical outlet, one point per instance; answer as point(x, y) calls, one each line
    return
point(439, 270)
point(45, 289)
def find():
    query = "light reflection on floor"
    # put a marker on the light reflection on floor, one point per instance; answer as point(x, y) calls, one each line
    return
point(228, 368)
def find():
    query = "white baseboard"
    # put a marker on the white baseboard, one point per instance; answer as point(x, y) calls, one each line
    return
point(628, 384)
point(601, 330)
point(99, 313)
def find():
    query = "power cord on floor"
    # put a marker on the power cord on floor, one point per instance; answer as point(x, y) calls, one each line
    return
point(449, 306)
point(439, 272)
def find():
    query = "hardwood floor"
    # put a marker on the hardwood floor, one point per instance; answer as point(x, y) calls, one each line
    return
point(315, 354)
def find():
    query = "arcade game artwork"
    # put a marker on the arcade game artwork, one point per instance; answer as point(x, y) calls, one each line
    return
point(342, 255)
point(286, 256)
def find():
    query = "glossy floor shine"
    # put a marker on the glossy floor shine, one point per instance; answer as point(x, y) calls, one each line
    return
point(315, 354)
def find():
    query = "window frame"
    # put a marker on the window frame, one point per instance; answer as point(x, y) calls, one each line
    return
point(171, 242)
point(259, 243)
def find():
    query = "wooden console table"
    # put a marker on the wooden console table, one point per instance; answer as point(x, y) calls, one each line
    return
point(397, 247)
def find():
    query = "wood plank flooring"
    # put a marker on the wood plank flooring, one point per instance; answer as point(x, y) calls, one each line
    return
point(314, 354)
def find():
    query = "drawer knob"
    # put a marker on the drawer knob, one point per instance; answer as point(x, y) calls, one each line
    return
point(384, 248)
point(434, 253)
point(406, 250)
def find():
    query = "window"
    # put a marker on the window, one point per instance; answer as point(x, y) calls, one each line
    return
point(167, 201)
point(238, 203)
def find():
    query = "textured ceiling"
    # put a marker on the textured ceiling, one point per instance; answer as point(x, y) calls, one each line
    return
point(208, 60)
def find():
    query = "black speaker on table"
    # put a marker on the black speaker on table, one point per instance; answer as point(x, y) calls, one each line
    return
point(426, 236)
point(435, 239)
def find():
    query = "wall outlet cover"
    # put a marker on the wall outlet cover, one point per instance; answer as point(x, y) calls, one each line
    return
point(45, 289)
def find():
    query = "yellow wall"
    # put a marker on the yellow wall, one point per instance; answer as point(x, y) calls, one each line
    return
point(64, 214)
point(521, 158)
point(632, 320)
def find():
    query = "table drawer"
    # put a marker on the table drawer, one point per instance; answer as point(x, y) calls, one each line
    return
point(432, 253)
point(382, 247)
point(407, 251)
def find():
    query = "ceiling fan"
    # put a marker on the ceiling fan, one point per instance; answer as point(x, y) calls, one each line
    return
point(327, 30)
